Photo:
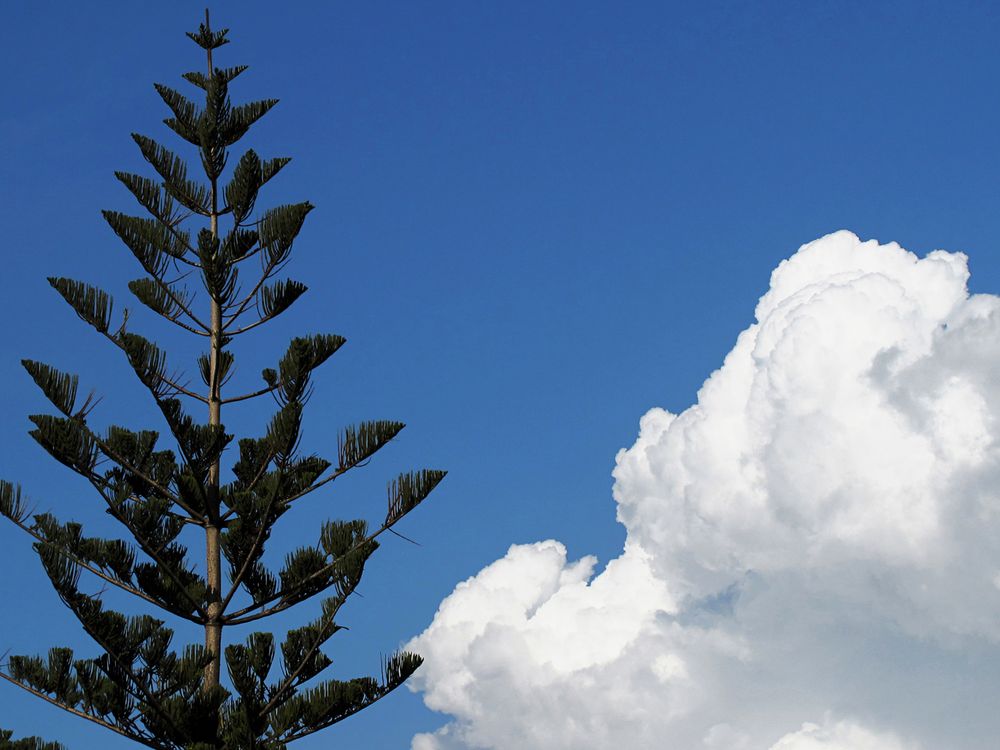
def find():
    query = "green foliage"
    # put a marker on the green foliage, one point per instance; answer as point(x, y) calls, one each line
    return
point(27, 743)
point(278, 229)
point(227, 74)
point(58, 387)
point(156, 297)
point(408, 491)
point(90, 303)
point(305, 354)
point(359, 443)
point(248, 177)
point(279, 296)
point(67, 441)
point(152, 197)
point(173, 172)
point(139, 685)
point(148, 361)
point(151, 242)
point(223, 365)
point(12, 504)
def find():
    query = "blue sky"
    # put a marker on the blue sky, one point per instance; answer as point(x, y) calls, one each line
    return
point(535, 221)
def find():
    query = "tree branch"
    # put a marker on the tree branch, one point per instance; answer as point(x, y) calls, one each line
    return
point(146, 696)
point(169, 381)
point(250, 327)
point(250, 487)
point(103, 576)
point(153, 553)
point(205, 330)
point(287, 683)
point(328, 723)
point(238, 618)
point(255, 394)
point(108, 451)
point(255, 547)
point(269, 270)
point(142, 739)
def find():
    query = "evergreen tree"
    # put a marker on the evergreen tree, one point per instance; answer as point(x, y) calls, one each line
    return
point(139, 686)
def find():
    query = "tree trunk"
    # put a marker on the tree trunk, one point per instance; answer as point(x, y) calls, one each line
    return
point(213, 561)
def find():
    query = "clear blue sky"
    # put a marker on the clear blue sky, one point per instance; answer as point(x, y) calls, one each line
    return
point(535, 221)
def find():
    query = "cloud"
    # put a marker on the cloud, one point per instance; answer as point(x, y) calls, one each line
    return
point(817, 539)
point(839, 736)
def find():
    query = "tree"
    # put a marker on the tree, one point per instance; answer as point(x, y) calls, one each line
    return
point(139, 687)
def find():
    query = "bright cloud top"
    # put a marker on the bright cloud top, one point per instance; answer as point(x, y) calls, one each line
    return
point(813, 551)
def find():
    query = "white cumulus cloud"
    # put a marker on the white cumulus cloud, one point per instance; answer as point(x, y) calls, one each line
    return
point(840, 736)
point(813, 547)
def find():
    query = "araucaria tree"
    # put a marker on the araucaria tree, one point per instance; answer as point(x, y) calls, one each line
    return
point(212, 231)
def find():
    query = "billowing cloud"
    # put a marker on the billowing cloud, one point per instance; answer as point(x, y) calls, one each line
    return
point(839, 736)
point(813, 550)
